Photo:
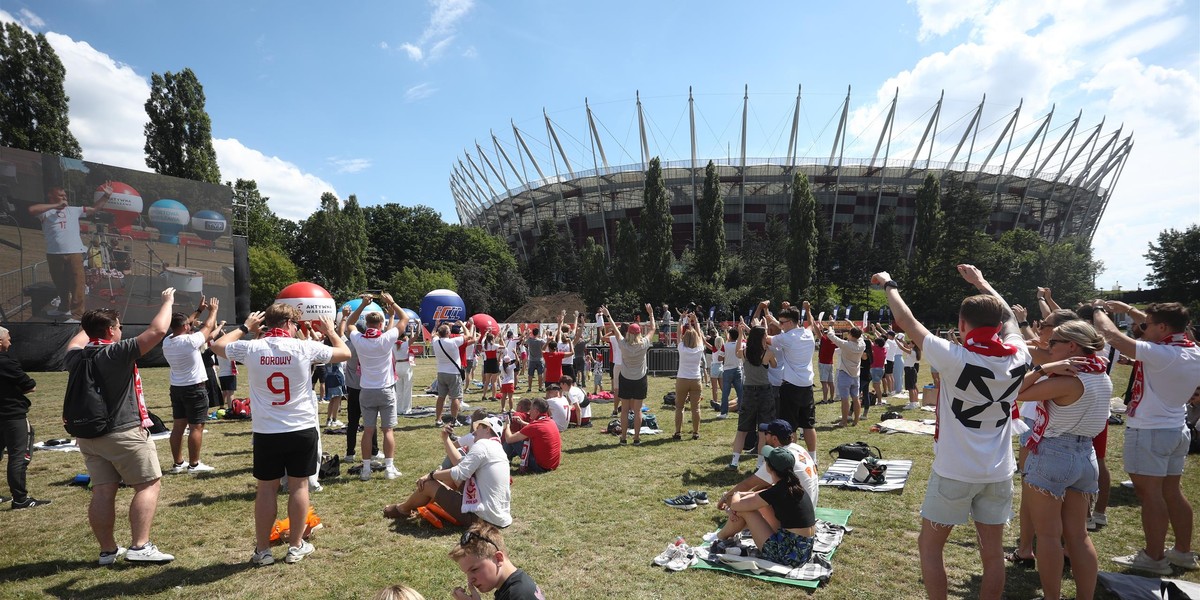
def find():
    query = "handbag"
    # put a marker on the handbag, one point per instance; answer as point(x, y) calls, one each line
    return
point(855, 451)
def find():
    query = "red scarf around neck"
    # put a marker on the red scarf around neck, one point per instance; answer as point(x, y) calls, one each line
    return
point(1139, 376)
point(276, 332)
point(372, 333)
point(1093, 364)
point(986, 341)
point(143, 414)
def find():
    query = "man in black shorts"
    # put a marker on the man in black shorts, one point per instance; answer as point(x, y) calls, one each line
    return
point(189, 385)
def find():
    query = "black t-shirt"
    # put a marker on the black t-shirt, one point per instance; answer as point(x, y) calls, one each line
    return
point(864, 365)
point(14, 382)
point(519, 586)
point(793, 512)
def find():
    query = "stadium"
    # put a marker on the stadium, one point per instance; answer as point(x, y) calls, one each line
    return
point(1051, 176)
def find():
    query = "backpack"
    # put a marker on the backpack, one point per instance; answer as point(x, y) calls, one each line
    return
point(669, 399)
point(239, 408)
point(85, 412)
point(855, 451)
point(331, 466)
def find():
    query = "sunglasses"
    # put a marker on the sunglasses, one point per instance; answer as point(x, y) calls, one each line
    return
point(1142, 326)
point(467, 536)
point(1053, 341)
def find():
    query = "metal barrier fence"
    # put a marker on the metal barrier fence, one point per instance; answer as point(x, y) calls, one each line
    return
point(12, 289)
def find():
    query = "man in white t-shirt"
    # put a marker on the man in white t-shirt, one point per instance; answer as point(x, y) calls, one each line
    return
point(560, 407)
point(1165, 377)
point(449, 369)
point(794, 350)
point(477, 486)
point(973, 460)
point(777, 434)
point(581, 409)
point(64, 248)
point(285, 414)
point(377, 378)
point(848, 366)
point(189, 385)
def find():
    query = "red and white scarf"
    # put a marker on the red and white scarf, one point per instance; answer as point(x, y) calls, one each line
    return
point(1092, 364)
point(276, 332)
point(372, 333)
point(981, 340)
point(1139, 376)
point(143, 414)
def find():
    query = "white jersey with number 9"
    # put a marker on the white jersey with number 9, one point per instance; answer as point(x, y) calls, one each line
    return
point(279, 370)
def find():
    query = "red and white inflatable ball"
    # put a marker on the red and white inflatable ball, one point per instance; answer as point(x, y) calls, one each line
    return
point(125, 203)
point(485, 323)
point(312, 300)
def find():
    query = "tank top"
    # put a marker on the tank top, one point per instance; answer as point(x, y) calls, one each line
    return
point(731, 358)
point(1087, 415)
point(755, 375)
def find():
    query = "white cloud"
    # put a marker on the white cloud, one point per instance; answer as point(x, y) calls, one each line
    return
point(293, 193)
point(442, 25)
point(349, 165)
point(31, 20)
point(419, 92)
point(383, 45)
point(1076, 56)
point(470, 52)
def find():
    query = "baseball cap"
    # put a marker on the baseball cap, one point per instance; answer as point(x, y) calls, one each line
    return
point(634, 329)
point(781, 459)
point(492, 423)
point(778, 428)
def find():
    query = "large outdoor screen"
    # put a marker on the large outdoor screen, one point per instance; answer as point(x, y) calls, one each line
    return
point(77, 235)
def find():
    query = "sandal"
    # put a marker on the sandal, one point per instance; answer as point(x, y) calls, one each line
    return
point(1020, 561)
point(677, 437)
point(392, 511)
point(695, 436)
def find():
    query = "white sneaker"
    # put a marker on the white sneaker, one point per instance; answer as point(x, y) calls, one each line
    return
point(379, 456)
point(392, 472)
point(1185, 560)
point(723, 416)
point(670, 553)
point(1142, 562)
point(180, 468)
point(262, 558)
point(200, 467)
point(296, 554)
point(108, 558)
point(365, 473)
point(684, 559)
point(148, 553)
point(336, 424)
point(912, 406)
point(349, 459)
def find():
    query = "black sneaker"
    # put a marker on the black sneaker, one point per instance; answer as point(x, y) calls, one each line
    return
point(699, 497)
point(682, 501)
point(29, 503)
point(4, 499)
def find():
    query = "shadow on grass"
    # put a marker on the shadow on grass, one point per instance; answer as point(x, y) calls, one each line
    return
point(233, 453)
point(592, 447)
point(1120, 495)
point(236, 433)
point(711, 479)
point(42, 569)
point(220, 473)
point(156, 581)
point(198, 499)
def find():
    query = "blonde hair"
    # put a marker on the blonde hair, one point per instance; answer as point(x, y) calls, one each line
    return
point(1083, 334)
point(691, 338)
point(398, 592)
point(486, 538)
point(279, 313)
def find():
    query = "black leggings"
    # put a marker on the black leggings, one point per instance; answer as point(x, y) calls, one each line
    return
point(353, 416)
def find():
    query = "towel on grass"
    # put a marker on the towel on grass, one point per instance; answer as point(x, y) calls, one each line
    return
point(841, 474)
point(1137, 587)
point(922, 427)
point(831, 528)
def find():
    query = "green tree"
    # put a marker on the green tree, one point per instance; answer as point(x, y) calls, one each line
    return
point(888, 252)
point(179, 132)
point(930, 222)
point(626, 266)
point(262, 227)
point(709, 260)
point(319, 255)
point(270, 271)
point(766, 275)
point(1175, 264)
point(353, 247)
point(654, 233)
point(403, 236)
point(802, 239)
point(593, 273)
point(410, 284)
point(546, 268)
point(850, 268)
point(33, 104)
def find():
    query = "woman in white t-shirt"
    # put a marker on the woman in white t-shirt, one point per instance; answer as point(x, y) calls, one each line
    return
point(1060, 472)
point(689, 375)
point(731, 370)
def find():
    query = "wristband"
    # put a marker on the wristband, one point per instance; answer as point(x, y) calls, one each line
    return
point(431, 477)
point(1023, 324)
point(1038, 369)
point(245, 330)
point(891, 283)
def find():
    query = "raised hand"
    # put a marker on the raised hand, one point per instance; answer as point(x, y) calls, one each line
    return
point(1020, 312)
point(972, 275)
point(168, 296)
point(881, 278)
point(254, 320)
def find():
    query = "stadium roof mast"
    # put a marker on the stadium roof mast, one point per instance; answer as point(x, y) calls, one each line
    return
point(1008, 176)
point(1037, 169)
point(838, 140)
point(692, 129)
point(742, 198)
point(596, 145)
point(1067, 165)
point(912, 165)
point(552, 138)
point(541, 176)
point(1108, 165)
point(1111, 186)
point(888, 126)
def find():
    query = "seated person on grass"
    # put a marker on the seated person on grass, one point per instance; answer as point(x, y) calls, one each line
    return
point(398, 592)
point(464, 441)
point(560, 407)
point(581, 407)
point(537, 442)
point(475, 489)
point(778, 434)
point(781, 518)
point(483, 557)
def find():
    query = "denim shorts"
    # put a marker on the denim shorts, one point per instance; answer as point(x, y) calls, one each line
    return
point(847, 385)
point(1062, 463)
point(787, 548)
point(825, 371)
point(876, 375)
point(952, 502)
point(1156, 452)
point(1024, 437)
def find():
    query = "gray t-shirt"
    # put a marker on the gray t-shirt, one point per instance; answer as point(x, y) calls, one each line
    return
point(633, 358)
point(754, 375)
point(114, 370)
point(581, 348)
point(351, 370)
point(535, 346)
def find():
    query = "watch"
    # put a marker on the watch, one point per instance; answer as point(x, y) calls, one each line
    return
point(245, 330)
point(1023, 324)
point(891, 283)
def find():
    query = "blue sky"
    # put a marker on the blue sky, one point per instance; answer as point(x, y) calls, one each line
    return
point(379, 99)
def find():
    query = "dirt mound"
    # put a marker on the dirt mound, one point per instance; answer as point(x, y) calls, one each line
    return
point(545, 309)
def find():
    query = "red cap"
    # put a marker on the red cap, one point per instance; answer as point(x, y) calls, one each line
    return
point(634, 329)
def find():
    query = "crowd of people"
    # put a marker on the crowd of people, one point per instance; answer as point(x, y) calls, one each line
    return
point(1053, 375)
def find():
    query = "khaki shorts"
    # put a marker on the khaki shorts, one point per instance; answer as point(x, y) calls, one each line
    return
point(128, 456)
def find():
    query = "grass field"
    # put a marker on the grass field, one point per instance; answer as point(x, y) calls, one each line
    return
point(587, 530)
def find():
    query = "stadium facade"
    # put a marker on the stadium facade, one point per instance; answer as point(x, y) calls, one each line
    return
point(1056, 181)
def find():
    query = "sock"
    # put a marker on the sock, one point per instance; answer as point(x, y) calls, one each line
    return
point(736, 457)
point(388, 462)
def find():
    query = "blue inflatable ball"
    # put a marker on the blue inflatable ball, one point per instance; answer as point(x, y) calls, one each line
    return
point(169, 217)
point(362, 319)
point(209, 225)
point(441, 306)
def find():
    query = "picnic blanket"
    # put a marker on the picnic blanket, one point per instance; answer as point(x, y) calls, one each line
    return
point(841, 472)
point(831, 528)
point(1137, 587)
point(922, 427)
point(418, 412)
point(73, 445)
